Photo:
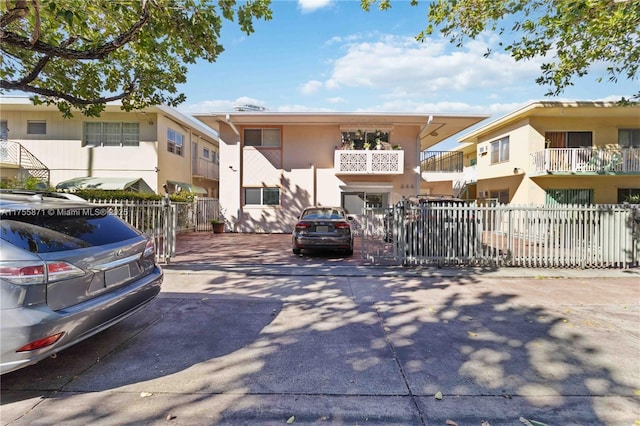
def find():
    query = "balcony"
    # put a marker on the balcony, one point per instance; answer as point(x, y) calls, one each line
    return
point(587, 161)
point(205, 169)
point(441, 166)
point(369, 162)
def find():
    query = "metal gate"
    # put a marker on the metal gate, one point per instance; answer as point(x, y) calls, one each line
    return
point(206, 209)
point(504, 235)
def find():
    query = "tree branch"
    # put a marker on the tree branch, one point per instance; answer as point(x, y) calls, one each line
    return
point(71, 99)
point(100, 52)
point(19, 11)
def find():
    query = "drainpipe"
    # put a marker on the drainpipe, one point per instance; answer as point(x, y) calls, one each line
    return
point(418, 171)
point(227, 119)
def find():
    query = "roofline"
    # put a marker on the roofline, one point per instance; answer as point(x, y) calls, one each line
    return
point(172, 113)
point(526, 111)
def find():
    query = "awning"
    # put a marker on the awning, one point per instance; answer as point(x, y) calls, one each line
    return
point(186, 187)
point(106, 183)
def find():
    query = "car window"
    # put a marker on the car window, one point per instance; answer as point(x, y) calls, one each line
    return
point(323, 214)
point(65, 233)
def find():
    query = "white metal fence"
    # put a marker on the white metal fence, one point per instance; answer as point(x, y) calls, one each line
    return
point(164, 219)
point(567, 236)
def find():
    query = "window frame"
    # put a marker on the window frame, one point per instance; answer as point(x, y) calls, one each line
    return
point(33, 125)
point(110, 133)
point(175, 142)
point(205, 152)
point(633, 138)
point(263, 198)
point(499, 147)
point(261, 142)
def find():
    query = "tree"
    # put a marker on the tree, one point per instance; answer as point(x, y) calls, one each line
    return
point(571, 35)
point(84, 53)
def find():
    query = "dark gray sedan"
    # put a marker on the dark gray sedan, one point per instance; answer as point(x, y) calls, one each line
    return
point(323, 228)
point(68, 270)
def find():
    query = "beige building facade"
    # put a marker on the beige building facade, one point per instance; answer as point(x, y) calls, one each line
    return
point(275, 164)
point(156, 144)
point(560, 152)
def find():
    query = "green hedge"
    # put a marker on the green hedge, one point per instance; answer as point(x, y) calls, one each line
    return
point(100, 194)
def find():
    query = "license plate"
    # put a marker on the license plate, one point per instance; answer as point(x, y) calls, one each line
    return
point(322, 228)
point(117, 275)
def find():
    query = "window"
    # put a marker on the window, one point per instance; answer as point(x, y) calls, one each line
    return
point(569, 139)
point(629, 138)
point(262, 196)
point(569, 196)
point(500, 150)
point(175, 141)
point(626, 194)
point(205, 152)
point(110, 134)
point(4, 130)
point(36, 127)
point(262, 137)
point(502, 196)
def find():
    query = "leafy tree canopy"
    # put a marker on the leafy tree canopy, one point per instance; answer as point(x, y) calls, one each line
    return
point(84, 53)
point(570, 35)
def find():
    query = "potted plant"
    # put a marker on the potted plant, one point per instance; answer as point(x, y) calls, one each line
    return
point(218, 225)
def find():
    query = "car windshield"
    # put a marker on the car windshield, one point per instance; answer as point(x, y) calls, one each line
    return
point(323, 214)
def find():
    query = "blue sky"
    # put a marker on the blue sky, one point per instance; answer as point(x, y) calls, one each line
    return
point(328, 55)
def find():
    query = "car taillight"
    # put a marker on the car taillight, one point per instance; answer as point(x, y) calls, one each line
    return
point(57, 271)
point(28, 273)
point(23, 273)
point(342, 225)
point(41, 343)
point(150, 249)
point(302, 225)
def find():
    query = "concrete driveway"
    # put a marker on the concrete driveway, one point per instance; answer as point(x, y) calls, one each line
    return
point(246, 333)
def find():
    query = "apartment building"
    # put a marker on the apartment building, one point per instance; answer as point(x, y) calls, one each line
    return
point(560, 152)
point(145, 150)
point(275, 164)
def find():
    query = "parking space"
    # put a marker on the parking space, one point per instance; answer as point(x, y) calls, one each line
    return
point(246, 333)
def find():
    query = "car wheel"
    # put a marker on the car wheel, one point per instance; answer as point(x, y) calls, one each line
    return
point(297, 251)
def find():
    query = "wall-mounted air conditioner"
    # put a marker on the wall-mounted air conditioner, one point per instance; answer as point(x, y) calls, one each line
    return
point(483, 149)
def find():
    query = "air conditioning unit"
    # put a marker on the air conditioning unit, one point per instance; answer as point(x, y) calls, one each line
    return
point(483, 194)
point(483, 149)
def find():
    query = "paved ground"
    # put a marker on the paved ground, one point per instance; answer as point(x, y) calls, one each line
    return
point(246, 333)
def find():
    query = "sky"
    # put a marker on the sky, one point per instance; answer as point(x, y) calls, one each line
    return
point(330, 55)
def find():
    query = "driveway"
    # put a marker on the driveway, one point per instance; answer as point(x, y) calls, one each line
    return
point(246, 333)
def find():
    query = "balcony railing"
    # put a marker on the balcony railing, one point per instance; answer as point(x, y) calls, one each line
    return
point(586, 160)
point(14, 154)
point(441, 161)
point(364, 162)
point(206, 169)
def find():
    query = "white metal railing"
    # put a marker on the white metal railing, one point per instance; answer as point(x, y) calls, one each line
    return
point(570, 236)
point(586, 160)
point(377, 162)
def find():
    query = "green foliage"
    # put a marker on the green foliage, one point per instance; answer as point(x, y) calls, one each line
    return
point(84, 53)
point(570, 35)
point(31, 183)
point(100, 194)
point(633, 199)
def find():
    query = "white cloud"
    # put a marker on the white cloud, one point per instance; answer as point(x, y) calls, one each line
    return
point(310, 87)
point(336, 100)
point(312, 5)
point(404, 67)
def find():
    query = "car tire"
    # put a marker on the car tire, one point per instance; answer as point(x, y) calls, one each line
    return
point(297, 251)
